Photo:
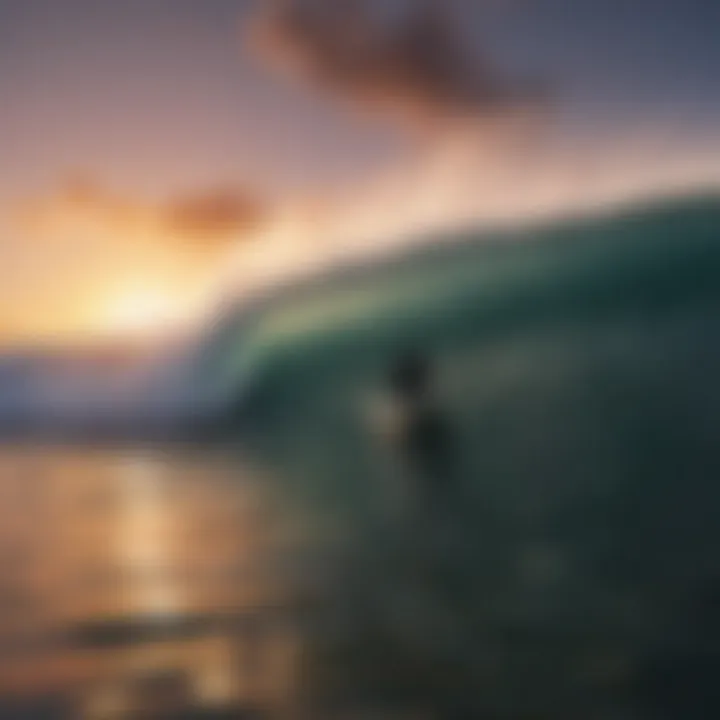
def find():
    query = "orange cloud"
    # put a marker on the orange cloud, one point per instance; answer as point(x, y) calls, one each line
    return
point(221, 215)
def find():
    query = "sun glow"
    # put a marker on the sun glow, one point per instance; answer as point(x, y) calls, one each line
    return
point(140, 309)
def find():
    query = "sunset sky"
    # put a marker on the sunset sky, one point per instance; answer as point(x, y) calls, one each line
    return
point(178, 118)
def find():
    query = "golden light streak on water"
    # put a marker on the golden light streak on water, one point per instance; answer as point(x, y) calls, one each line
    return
point(145, 537)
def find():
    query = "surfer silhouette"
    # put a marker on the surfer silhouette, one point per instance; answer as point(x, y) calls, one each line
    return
point(422, 436)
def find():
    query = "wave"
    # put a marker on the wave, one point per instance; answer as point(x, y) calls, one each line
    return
point(466, 287)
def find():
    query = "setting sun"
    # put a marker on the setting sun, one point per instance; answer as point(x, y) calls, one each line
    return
point(141, 309)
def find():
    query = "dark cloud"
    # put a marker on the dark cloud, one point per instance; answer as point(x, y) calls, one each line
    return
point(412, 64)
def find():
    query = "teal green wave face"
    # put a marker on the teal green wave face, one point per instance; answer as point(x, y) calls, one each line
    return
point(471, 287)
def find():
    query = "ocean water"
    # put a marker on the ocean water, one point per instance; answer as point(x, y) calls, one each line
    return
point(291, 565)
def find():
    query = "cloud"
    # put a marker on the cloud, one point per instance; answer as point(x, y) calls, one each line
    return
point(414, 66)
point(219, 214)
point(208, 217)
